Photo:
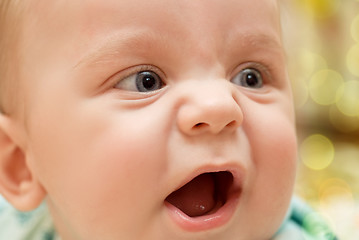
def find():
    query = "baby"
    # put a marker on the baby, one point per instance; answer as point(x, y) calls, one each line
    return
point(147, 119)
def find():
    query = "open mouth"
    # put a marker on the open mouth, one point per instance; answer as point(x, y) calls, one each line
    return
point(204, 195)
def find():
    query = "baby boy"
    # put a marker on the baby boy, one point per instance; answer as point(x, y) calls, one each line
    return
point(156, 119)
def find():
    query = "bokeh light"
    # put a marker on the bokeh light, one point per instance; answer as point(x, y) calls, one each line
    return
point(307, 63)
point(321, 8)
point(323, 86)
point(348, 98)
point(317, 152)
point(353, 60)
point(324, 68)
point(354, 28)
point(334, 188)
point(300, 92)
point(310, 62)
point(343, 123)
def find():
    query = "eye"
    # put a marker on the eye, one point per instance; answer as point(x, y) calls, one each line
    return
point(145, 81)
point(249, 78)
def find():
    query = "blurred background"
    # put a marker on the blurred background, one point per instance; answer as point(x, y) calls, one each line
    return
point(322, 38)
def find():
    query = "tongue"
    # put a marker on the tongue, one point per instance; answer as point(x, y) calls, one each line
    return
point(196, 198)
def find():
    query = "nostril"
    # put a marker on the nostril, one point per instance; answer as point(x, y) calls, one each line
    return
point(215, 128)
point(200, 125)
point(232, 124)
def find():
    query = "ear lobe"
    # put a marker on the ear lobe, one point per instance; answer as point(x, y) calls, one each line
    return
point(17, 183)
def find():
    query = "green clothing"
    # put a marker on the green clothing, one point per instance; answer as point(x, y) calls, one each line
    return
point(34, 225)
point(302, 223)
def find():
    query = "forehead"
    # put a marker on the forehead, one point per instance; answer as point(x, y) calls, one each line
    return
point(198, 15)
point(84, 24)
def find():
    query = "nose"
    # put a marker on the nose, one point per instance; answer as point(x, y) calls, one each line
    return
point(209, 109)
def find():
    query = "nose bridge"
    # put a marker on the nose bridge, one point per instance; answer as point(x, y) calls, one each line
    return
point(209, 107)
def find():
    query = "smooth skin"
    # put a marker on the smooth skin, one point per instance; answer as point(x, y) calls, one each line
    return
point(105, 153)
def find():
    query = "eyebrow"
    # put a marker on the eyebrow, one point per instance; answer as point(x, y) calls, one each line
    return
point(140, 41)
point(122, 42)
point(265, 40)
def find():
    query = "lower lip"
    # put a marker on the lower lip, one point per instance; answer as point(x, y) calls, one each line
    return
point(206, 222)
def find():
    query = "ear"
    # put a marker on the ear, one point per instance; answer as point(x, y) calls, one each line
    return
point(17, 183)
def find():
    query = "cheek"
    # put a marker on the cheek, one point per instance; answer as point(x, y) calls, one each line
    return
point(275, 157)
point(129, 160)
point(109, 163)
point(276, 164)
point(273, 139)
point(274, 160)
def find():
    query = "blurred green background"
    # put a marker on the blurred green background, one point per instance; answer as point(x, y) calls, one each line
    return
point(322, 38)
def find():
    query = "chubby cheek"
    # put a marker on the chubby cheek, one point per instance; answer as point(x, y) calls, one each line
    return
point(276, 166)
point(102, 167)
point(274, 151)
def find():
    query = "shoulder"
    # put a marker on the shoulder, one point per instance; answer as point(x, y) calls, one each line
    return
point(18, 225)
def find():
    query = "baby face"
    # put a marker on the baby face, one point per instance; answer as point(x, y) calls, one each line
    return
point(159, 119)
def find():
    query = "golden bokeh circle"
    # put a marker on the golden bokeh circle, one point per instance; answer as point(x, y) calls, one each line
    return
point(323, 86)
point(354, 28)
point(335, 187)
point(321, 8)
point(300, 92)
point(343, 123)
point(309, 63)
point(317, 152)
point(348, 98)
point(353, 60)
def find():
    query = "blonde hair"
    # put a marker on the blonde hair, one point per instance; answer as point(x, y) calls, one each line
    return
point(10, 29)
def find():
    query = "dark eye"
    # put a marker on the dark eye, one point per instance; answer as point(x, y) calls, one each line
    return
point(249, 77)
point(145, 81)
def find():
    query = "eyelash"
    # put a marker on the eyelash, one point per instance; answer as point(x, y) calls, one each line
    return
point(137, 69)
point(263, 70)
point(143, 68)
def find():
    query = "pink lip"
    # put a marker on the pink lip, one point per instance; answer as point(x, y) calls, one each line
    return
point(210, 221)
point(213, 220)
